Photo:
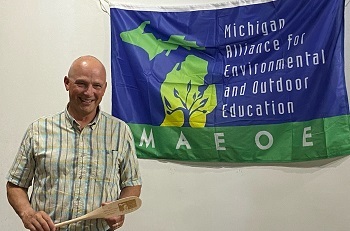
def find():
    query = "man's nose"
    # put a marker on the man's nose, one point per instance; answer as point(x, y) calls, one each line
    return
point(89, 90)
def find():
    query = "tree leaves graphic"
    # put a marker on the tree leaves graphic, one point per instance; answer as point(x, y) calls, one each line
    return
point(186, 106)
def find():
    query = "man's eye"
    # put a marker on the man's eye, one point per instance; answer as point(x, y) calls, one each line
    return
point(97, 86)
point(80, 84)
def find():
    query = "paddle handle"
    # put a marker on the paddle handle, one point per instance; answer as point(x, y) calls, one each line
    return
point(118, 207)
point(70, 221)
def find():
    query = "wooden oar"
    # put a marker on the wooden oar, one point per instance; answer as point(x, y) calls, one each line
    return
point(115, 208)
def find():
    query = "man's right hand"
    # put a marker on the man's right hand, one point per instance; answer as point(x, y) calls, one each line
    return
point(37, 221)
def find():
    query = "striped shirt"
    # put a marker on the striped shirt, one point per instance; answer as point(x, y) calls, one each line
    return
point(74, 171)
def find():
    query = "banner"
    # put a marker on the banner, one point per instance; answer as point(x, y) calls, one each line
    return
point(241, 81)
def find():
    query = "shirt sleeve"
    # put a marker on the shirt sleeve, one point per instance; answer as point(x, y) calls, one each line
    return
point(22, 170)
point(129, 170)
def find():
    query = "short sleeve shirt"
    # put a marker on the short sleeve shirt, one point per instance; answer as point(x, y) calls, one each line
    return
point(74, 171)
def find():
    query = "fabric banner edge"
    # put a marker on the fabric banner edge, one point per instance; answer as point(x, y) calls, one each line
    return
point(187, 7)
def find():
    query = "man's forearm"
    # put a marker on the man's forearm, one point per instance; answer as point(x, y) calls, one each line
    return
point(130, 191)
point(18, 199)
point(32, 220)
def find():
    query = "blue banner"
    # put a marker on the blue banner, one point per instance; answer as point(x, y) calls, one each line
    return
point(227, 65)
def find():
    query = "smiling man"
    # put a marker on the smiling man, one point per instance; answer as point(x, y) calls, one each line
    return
point(86, 83)
point(75, 160)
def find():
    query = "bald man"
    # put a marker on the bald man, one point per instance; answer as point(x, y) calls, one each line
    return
point(75, 160)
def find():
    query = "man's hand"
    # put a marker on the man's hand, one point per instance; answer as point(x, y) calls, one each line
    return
point(37, 221)
point(117, 221)
point(32, 220)
point(114, 222)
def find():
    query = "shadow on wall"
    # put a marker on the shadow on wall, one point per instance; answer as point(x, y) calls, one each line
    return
point(322, 163)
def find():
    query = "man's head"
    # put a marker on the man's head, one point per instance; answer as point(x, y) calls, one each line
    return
point(86, 84)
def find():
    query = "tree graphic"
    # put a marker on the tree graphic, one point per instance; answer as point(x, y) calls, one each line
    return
point(188, 107)
point(186, 98)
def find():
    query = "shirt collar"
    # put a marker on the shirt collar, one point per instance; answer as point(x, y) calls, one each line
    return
point(75, 124)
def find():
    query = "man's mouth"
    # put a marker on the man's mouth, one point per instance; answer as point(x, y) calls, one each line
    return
point(86, 101)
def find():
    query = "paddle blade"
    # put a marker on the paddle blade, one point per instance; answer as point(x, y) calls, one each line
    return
point(121, 206)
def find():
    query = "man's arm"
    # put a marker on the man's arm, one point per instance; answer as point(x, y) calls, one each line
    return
point(32, 220)
point(130, 191)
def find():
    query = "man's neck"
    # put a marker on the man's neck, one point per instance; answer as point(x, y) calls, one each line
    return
point(82, 120)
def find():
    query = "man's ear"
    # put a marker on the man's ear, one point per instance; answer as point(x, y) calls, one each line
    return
point(66, 82)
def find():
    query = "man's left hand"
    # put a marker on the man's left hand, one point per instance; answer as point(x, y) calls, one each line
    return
point(114, 222)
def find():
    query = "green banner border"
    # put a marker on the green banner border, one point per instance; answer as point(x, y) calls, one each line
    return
point(288, 142)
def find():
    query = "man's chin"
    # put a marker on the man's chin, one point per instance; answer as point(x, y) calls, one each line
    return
point(88, 109)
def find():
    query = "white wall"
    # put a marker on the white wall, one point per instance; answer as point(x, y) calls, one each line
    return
point(38, 41)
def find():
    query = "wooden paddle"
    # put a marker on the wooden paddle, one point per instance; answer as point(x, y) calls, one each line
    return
point(115, 208)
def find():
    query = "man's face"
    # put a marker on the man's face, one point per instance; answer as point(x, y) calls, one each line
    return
point(86, 86)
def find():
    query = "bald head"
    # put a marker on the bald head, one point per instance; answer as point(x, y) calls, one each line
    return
point(87, 63)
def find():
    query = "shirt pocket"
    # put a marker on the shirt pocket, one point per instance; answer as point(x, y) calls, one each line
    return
point(105, 166)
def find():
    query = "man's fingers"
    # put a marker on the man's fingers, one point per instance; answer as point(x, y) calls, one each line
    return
point(39, 221)
point(41, 218)
point(49, 222)
point(31, 227)
point(36, 223)
point(115, 222)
